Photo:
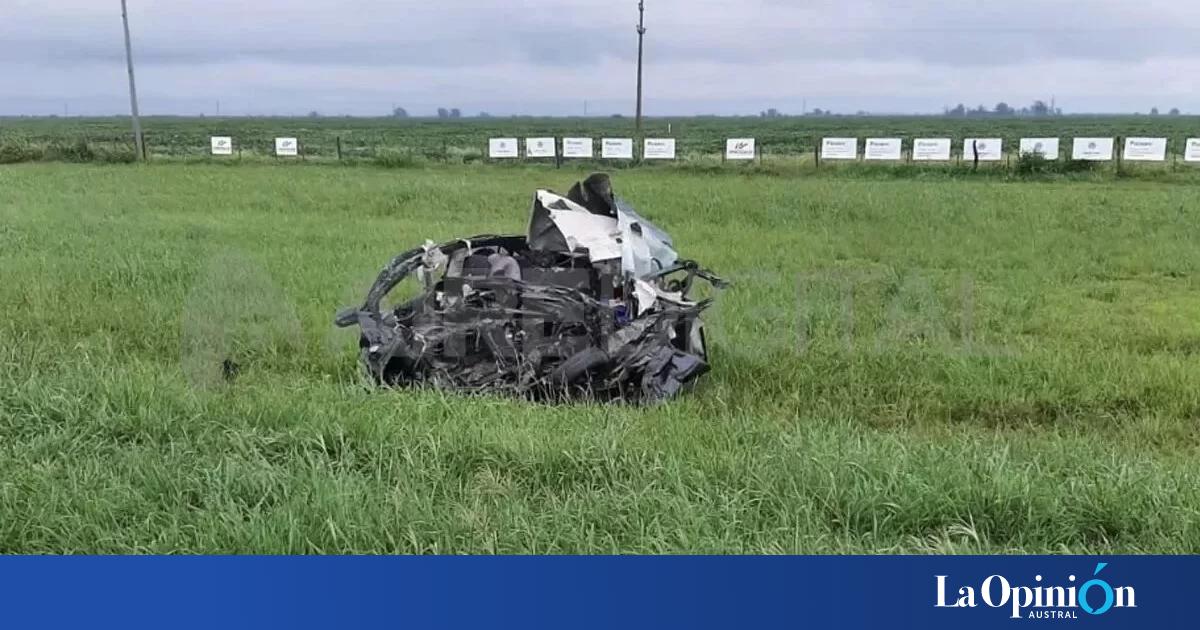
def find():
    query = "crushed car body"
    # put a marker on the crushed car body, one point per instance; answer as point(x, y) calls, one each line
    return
point(593, 302)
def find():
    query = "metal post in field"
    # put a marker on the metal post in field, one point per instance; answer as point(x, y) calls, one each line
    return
point(139, 147)
point(641, 31)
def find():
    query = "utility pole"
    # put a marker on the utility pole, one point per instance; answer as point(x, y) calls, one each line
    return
point(641, 30)
point(133, 101)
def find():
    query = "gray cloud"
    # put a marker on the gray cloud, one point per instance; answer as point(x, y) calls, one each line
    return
point(547, 56)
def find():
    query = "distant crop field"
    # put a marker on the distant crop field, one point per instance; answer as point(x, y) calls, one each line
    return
point(465, 140)
point(900, 366)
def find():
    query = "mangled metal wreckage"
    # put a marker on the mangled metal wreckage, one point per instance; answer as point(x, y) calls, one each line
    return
point(591, 303)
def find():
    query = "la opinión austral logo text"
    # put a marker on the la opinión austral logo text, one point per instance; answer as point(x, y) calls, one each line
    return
point(1040, 600)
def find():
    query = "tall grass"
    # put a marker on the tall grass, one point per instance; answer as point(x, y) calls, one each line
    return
point(65, 150)
point(901, 366)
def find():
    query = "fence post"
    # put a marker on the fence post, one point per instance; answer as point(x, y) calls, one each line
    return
point(975, 153)
point(1120, 152)
point(339, 148)
point(816, 154)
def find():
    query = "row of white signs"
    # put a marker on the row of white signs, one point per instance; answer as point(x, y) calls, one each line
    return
point(992, 149)
point(610, 148)
point(284, 147)
point(923, 149)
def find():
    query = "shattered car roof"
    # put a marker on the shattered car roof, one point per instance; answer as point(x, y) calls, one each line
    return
point(591, 303)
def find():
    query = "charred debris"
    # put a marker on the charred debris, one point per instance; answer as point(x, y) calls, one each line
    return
point(592, 303)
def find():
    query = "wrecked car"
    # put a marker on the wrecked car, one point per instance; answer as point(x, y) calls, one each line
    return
point(592, 302)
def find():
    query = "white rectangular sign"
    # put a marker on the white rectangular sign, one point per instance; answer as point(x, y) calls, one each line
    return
point(539, 147)
point(1094, 149)
point(287, 147)
point(988, 149)
point(739, 149)
point(502, 148)
point(839, 149)
point(616, 148)
point(659, 149)
point(222, 145)
point(1146, 149)
point(1046, 147)
point(884, 149)
point(931, 150)
point(1192, 152)
point(577, 147)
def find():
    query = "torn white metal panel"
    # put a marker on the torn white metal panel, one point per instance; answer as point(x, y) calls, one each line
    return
point(555, 201)
point(645, 249)
point(584, 229)
point(646, 296)
point(573, 226)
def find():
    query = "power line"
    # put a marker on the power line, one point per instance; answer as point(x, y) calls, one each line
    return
point(951, 28)
point(1002, 29)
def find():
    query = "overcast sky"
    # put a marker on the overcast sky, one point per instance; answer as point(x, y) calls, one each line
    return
point(550, 56)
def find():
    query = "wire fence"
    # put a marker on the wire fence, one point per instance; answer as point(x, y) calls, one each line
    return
point(398, 149)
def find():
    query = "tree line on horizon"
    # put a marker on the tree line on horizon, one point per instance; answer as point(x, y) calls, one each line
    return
point(1036, 109)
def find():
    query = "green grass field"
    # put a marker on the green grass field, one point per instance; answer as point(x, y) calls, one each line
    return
point(901, 366)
